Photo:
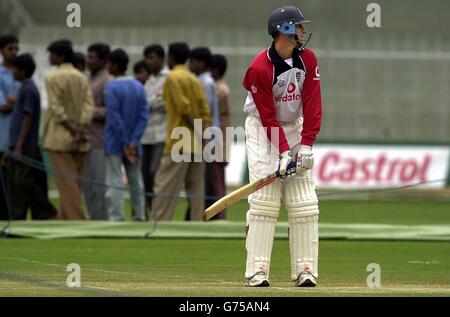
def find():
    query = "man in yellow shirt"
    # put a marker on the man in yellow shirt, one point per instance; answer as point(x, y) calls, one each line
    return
point(185, 102)
point(70, 110)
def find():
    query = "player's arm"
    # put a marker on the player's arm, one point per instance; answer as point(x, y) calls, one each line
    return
point(312, 111)
point(259, 84)
point(312, 101)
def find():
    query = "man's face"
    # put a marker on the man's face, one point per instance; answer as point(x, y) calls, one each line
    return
point(9, 52)
point(170, 62)
point(154, 62)
point(55, 59)
point(113, 69)
point(215, 73)
point(80, 66)
point(110, 68)
point(300, 31)
point(142, 76)
point(196, 66)
point(93, 62)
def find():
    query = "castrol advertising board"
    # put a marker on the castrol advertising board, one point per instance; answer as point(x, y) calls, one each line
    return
point(380, 166)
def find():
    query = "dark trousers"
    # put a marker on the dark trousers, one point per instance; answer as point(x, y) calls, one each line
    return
point(4, 215)
point(214, 188)
point(28, 188)
point(151, 158)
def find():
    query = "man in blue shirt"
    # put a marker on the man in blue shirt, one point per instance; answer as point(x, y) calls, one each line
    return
point(27, 185)
point(126, 119)
point(9, 46)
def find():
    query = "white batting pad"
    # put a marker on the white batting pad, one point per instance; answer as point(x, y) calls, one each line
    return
point(262, 219)
point(302, 205)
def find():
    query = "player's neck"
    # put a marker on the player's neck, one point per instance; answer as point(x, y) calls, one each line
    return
point(284, 49)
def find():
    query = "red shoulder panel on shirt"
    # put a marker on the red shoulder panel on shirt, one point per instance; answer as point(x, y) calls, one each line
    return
point(310, 60)
point(260, 66)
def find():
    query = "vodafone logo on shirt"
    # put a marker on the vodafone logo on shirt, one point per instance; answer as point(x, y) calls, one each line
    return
point(351, 166)
point(291, 95)
point(291, 88)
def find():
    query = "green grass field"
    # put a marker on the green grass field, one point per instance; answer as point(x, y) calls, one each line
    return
point(351, 211)
point(215, 267)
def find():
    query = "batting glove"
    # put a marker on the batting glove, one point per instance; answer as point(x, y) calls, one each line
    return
point(305, 158)
point(285, 159)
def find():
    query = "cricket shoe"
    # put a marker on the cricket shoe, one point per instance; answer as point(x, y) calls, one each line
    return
point(258, 280)
point(305, 279)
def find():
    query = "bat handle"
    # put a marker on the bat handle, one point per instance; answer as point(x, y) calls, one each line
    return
point(291, 165)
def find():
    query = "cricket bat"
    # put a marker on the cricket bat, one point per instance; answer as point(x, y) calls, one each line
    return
point(243, 192)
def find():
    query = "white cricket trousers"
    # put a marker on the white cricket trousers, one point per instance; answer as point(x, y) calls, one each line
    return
point(298, 194)
point(262, 157)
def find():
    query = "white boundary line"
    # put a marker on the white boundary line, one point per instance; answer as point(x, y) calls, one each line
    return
point(54, 265)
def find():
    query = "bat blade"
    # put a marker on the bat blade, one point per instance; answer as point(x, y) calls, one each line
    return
point(243, 192)
point(237, 195)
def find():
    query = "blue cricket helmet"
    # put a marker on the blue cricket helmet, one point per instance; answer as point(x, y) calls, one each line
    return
point(283, 20)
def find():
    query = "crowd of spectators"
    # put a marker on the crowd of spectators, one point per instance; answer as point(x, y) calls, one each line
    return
point(102, 127)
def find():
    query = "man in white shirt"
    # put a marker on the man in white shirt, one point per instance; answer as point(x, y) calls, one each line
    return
point(155, 133)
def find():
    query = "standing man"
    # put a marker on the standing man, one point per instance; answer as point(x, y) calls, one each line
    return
point(154, 135)
point(28, 185)
point(95, 159)
point(9, 46)
point(218, 69)
point(199, 63)
point(79, 61)
point(141, 71)
point(284, 107)
point(126, 117)
point(70, 109)
point(185, 101)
